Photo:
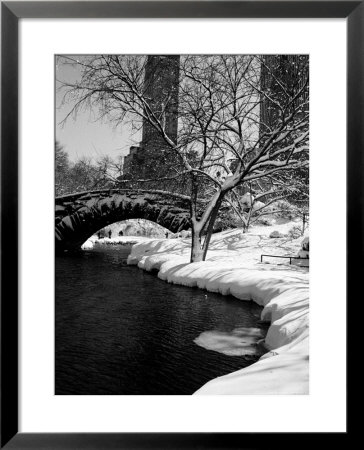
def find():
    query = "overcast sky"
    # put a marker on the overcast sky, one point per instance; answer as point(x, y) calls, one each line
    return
point(83, 136)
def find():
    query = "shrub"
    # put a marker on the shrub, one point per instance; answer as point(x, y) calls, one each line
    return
point(285, 209)
point(305, 245)
point(276, 234)
point(295, 232)
point(258, 205)
point(264, 221)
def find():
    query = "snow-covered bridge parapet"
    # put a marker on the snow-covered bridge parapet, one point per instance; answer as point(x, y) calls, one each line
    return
point(78, 216)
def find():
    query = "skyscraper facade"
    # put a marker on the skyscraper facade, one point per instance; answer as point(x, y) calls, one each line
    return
point(154, 156)
point(282, 75)
point(285, 77)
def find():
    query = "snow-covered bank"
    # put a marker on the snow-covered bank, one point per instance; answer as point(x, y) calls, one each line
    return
point(233, 268)
point(118, 240)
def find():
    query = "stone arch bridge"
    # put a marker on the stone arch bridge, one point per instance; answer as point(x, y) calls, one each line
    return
point(78, 216)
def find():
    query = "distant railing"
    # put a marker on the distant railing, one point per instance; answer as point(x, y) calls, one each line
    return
point(286, 257)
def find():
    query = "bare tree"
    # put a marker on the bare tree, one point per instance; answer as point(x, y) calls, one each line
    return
point(61, 169)
point(226, 146)
point(85, 173)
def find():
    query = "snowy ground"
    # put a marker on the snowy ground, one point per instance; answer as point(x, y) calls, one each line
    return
point(233, 267)
point(119, 240)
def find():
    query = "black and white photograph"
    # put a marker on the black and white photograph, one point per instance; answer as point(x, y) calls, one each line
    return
point(181, 224)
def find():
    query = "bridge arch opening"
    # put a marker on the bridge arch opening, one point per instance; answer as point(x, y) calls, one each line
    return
point(128, 232)
point(79, 216)
point(134, 227)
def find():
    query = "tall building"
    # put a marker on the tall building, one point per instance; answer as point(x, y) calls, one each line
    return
point(153, 157)
point(280, 73)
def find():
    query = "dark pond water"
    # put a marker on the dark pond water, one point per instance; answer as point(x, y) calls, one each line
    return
point(120, 330)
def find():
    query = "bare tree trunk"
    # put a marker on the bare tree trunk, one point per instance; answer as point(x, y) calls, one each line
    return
point(197, 252)
point(303, 223)
point(210, 227)
point(196, 248)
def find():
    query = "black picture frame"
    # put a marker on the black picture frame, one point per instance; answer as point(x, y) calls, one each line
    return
point(11, 12)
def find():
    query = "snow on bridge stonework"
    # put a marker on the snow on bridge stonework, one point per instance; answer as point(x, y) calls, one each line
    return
point(78, 216)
